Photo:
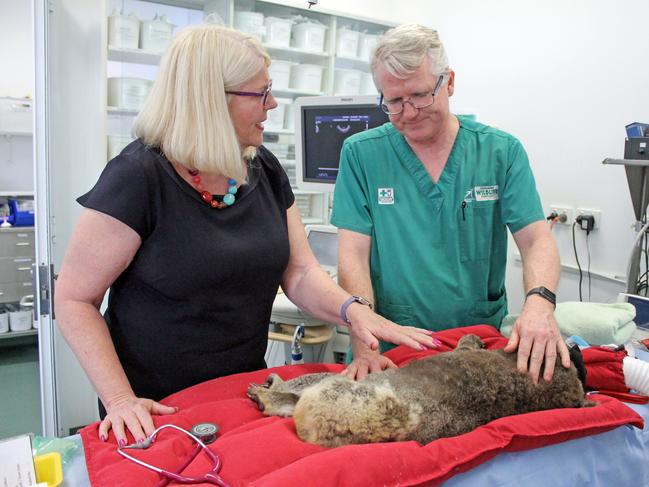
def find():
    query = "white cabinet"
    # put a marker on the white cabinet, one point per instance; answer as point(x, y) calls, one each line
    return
point(16, 169)
point(314, 53)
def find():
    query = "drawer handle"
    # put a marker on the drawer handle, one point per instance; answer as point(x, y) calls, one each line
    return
point(22, 235)
point(22, 244)
point(24, 268)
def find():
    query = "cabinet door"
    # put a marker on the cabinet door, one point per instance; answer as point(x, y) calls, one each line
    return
point(69, 154)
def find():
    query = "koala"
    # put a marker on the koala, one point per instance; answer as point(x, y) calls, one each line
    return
point(443, 395)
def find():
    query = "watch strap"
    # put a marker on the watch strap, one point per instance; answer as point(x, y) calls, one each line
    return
point(350, 300)
point(545, 293)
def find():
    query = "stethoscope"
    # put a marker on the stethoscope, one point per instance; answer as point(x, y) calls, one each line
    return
point(211, 477)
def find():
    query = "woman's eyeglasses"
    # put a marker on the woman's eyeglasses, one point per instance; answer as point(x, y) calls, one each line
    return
point(264, 94)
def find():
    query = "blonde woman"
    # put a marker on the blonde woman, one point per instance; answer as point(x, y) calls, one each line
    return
point(192, 228)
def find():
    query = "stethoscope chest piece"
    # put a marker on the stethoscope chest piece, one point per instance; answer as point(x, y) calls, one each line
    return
point(206, 432)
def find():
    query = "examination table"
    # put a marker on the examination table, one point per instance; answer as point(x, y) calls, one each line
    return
point(599, 446)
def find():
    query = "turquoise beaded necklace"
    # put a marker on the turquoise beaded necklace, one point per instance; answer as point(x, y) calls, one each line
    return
point(207, 197)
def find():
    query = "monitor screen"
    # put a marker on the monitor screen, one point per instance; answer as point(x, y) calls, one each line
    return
point(324, 246)
point(323, 123)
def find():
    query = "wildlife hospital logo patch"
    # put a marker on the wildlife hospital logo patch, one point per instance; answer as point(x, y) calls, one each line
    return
point(486, 193)
point(386, 196)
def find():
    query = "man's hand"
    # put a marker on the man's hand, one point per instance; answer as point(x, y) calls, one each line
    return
point(537, 337)
point(366, 362)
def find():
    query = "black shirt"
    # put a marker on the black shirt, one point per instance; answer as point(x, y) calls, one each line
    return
point(195, 302)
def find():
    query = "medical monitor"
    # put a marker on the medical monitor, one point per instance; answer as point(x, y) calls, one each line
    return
point(323, 240)
point(641, 304)
point(322, 123)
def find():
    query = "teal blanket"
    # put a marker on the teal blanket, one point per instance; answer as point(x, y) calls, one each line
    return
point(597, 323)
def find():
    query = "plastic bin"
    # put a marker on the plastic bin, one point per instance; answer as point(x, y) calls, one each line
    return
point(280, 72)
point(278, 31)
point(309, 36)
point(307, 77)
point(366, 44)
point(21, 212)
point(20, 318)
point(367, 85)
point(347, 42)
point(250, 22)
point(4, 319)
point(347, 82)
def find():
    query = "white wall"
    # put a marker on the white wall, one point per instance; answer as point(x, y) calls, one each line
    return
point(563, 76)
point(16, 54)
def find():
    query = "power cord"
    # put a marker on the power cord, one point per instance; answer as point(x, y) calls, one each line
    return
point(574, 246)
point(588, 271)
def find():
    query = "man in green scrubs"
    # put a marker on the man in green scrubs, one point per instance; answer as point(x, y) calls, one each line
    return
point(423, 204)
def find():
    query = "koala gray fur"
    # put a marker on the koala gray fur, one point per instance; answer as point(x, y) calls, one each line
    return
point(447, 394)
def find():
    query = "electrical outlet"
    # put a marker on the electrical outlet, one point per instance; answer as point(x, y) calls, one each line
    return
point(563, 210)
point(597, 214)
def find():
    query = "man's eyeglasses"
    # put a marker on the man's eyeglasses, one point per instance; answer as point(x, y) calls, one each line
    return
point(418, 101)
point(264, 94)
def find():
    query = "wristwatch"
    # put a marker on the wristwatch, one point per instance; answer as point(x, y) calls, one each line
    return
point(545, 293)
point(352, 299)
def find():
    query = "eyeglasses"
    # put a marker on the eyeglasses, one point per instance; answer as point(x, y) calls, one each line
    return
point(418, 101)
point(264, 94)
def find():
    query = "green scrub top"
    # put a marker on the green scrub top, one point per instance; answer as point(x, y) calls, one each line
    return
point(439, 250)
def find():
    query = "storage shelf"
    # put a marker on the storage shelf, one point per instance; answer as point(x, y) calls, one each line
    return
point(311, 220)
point(294, 92)
point(18, 334)
point(352, 63)
point(15, 133)
point(16, 193)
point(279, 131)
point(121, 111)
point(296, 54)
point(133, 56)
point(192, 4)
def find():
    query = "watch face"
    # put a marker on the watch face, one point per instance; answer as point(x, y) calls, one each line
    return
point(545, 292)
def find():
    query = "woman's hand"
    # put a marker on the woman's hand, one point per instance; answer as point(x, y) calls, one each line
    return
point(368, 327)
point(132, 413)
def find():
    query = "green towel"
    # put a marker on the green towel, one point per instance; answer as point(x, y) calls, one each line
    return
point(597, 323)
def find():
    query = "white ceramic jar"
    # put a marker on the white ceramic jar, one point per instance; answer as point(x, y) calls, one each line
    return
point(128, 92)
point(156, 34)
point(123, 30)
